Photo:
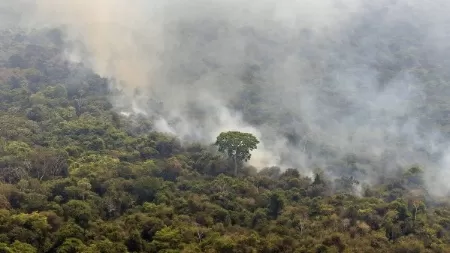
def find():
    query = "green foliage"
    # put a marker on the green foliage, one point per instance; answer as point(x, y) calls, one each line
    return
point(79, 177)
point(20, 247)
point(237, 145)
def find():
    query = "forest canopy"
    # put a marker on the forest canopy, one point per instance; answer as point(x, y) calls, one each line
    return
point(232, 126)
point(79, 177)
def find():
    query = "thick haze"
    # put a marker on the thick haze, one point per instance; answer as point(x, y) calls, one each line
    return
point(322, 83)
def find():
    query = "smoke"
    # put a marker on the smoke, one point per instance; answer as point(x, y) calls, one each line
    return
point(357, 87)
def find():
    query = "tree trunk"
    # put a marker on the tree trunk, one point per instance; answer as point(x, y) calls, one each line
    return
point(235, 166)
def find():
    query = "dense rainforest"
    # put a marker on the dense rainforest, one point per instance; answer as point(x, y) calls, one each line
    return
point(78, 176)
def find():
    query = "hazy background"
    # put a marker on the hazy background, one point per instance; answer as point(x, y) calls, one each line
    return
point(355, 87)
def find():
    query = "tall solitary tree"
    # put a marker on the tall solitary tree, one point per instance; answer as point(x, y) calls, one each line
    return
point(237, 146)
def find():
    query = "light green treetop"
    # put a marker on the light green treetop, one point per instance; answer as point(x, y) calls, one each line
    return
point(237, 145)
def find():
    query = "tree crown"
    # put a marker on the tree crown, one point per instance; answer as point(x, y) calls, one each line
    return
point(238, 144)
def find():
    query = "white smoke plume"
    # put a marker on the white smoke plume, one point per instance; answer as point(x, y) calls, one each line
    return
point(319, 82)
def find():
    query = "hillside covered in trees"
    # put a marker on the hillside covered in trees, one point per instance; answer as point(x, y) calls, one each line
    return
point(77, 176)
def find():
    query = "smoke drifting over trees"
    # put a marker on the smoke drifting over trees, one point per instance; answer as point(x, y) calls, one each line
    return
point(356, 87)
